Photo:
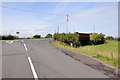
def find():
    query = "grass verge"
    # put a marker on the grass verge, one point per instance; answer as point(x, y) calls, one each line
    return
point(107, 52)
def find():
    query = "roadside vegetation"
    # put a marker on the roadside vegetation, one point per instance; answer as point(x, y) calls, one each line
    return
point(37, 36)
point(109, 38)
point(107, 52)
point(12, 37)
point(101, 48)
point(48, 36)
point(8, 37)
point(97, 38)
point(69, 39)
point(74, 39)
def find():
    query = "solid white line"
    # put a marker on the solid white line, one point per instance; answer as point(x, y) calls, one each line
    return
point(33, 69)
point(25, 47)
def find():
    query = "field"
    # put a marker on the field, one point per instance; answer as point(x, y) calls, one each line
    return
point(107, 52)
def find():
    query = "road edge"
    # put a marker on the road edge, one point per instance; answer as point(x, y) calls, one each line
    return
point(97, 64)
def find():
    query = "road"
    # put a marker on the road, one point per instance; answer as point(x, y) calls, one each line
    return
point(39, 59)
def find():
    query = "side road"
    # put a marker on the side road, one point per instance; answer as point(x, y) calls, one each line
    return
point(90, 61)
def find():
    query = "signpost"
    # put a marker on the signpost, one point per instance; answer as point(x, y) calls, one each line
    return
point(17, 33)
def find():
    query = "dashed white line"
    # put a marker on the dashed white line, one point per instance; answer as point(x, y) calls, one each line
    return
point(25, 47)
point(33, 69)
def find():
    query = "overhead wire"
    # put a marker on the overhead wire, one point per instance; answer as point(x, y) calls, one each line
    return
point(32, 11)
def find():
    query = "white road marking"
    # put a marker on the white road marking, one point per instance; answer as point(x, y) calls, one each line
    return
point(22, 41)
point(9, 42)
point(33, 69)
point(25, 47)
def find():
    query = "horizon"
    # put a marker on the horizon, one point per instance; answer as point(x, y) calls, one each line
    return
point(82, 17)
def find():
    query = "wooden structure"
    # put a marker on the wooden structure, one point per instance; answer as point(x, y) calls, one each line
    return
point(84, 38)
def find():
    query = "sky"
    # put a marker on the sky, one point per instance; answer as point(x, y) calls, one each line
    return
point(45, 17)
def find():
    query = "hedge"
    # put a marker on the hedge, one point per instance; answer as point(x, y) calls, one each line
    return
point(8, 37)
point(68, 38)
point(97, 38)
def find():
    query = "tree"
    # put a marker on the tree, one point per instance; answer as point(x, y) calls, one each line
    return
point(9, 37)
point(109, 38)
point(56, 36)
point(48, 36)
point(37, 36)
point(97, 38)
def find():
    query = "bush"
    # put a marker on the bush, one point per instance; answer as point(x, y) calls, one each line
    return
point(37, 36)
point(48, 36)
point(109, 38)
point(8, 37)
point(68, 38)
point(97, 38)
point(56, 36)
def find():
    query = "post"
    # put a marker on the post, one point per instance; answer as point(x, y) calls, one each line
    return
point(58, 30)
point(111, 54)
point(17, 33)
point(71, 44)
point(94, 29)
point(67, 25)
point(96, 52)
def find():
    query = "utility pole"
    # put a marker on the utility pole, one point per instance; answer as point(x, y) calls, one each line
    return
point(74, 29)
point(67, 25)
point(94, 29)
point(58, 30)
point(55, 30)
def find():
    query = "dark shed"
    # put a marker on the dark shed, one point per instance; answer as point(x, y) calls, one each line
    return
point(84, 38)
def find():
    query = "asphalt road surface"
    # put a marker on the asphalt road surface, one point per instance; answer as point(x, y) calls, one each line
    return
point(39, 59)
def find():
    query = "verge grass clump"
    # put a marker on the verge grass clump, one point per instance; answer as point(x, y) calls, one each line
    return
point(107, 52)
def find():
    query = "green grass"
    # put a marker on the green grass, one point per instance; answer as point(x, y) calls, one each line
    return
point(98, 51)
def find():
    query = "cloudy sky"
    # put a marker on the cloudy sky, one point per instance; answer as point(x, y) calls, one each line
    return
point(44, 17)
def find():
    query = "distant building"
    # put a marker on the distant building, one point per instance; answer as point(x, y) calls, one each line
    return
point(84, 38)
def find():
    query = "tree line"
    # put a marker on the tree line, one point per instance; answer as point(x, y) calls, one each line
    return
point(12, 37)
point(39, 36)
point(67, 38)
point(8, 37)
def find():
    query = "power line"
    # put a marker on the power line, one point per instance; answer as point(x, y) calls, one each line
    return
point(32, 11)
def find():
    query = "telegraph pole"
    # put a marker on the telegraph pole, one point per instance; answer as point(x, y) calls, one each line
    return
point(58, 30)
point(67, 25)
point(55, 30)
point(94, 29)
